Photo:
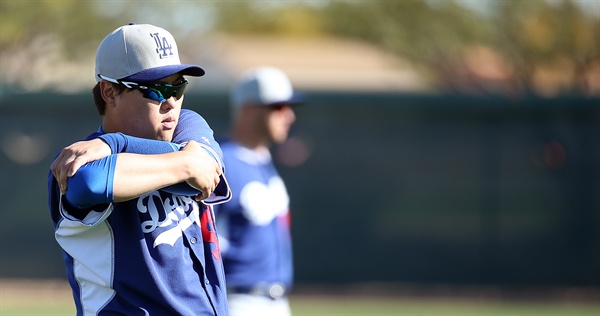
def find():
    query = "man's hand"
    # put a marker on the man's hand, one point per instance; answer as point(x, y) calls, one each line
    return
point(205, 173)
point(72, 157)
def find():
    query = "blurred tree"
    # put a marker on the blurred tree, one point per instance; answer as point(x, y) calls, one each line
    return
point(44, 42)
point(532, 46)
point(72, 24)
point(432, 38)
point(260, 17)
point(556, 43)
point(512, 47)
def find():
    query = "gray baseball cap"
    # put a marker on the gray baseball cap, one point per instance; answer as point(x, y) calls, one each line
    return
point(140, 53)
point(264, 86)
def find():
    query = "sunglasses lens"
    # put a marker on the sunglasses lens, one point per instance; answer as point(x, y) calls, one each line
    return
point(161, 93)
point(154, 94)
point(168, 91)
point(179, 90)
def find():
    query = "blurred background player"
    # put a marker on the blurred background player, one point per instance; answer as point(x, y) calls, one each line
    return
point(254, 227)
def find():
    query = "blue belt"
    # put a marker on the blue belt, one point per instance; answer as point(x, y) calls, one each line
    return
point(270, 290)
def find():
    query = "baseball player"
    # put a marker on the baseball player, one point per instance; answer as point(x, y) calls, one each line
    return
point(254, 226)
point(131, 210)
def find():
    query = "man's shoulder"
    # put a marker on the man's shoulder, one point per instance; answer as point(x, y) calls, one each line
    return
point(94, 135)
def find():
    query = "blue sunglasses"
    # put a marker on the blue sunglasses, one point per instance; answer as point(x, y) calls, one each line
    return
point(159, 92)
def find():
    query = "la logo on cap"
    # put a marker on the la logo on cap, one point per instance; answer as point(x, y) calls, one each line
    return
point(162, 46)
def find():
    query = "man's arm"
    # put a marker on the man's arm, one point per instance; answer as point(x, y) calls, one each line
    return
point(124, 176)
point(191, 126)
point(139, 174)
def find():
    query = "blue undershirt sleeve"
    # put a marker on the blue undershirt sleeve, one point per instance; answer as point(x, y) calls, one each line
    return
point(92, 184)
point(121, 143)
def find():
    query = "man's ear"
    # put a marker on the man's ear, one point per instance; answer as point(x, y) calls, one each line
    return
point(108, 92)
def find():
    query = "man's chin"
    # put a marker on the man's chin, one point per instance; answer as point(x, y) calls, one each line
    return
point(165, 137)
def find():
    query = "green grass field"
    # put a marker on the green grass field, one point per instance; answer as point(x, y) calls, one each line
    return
point(322, 306)
point(53, 298)
point(401, 306)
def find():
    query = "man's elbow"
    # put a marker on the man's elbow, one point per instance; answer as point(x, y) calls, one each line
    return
point(85, 189)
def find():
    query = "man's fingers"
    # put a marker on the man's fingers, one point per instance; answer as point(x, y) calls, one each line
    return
point(57, 171)
point(203, 196)
point(64, 166)
point(207, 192)
point(62, 182)
point(208, 175)
point(55, 167)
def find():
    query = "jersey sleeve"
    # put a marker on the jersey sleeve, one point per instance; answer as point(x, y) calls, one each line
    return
point(192, 126)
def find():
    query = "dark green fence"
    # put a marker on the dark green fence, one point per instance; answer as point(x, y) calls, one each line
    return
point(384, 187)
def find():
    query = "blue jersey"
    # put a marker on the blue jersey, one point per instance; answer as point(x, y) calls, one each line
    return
point(254, 226)
point(157, 254)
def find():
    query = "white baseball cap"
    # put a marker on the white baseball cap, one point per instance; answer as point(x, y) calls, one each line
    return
point(264, 86)
point(140, 53)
